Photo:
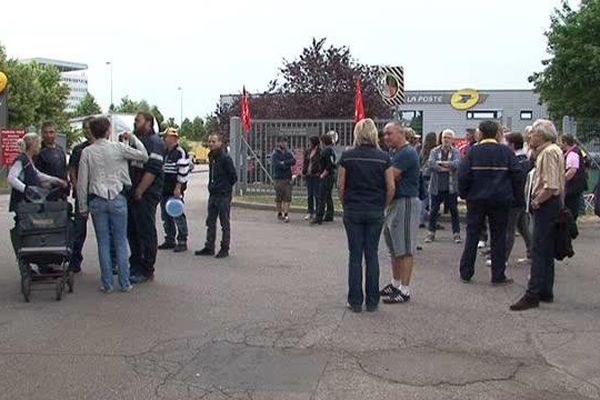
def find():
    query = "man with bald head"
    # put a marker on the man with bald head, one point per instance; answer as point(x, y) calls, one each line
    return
point(402, 220)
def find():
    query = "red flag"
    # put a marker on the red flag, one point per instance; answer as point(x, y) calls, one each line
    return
point(246, 119)
point(359, 108)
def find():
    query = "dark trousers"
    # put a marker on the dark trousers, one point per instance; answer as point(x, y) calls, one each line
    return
point(325, 204)
point(173, 226)
point(219, 206)
point(363, 230)
point(498, 220)
point(543, 222)
point(79, 236)
point(572, 203)
point(142, 236)
point(451, 201)
point(518, 220)
point(312, 187)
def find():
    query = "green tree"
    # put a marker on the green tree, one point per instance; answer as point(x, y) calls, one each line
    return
point(170, 123)
point(88, 106)
point(571, 77)
point(35, 93)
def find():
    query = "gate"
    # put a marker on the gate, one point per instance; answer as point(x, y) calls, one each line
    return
point(251, 152)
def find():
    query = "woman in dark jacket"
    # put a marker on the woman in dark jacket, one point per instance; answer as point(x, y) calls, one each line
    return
point(311, 169)
point(366, 187)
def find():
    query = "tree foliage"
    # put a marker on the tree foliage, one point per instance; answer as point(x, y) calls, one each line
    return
point(87, 106)
point(319, 84)
point(193, 129)
point(35, 93)
point(129, 106)
point(571, 77)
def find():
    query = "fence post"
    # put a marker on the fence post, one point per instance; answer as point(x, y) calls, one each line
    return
point(235, 148)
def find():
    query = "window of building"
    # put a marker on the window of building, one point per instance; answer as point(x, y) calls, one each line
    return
point(484, 114)
point(526, 115)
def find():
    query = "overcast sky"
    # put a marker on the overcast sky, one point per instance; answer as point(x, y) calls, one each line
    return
point(214, 47)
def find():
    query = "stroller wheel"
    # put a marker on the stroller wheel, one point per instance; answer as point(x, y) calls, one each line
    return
point(70, 281)
point(59, 290)
point(26, 287)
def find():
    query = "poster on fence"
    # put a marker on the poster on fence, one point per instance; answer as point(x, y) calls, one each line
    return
point(10, 147)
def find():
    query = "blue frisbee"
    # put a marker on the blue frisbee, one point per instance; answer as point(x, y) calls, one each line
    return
point(174, 207)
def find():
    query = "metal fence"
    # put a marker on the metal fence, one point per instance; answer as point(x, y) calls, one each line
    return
point(252, 151)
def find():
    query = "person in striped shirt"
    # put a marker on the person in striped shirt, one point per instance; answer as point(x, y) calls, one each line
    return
point(176, 167)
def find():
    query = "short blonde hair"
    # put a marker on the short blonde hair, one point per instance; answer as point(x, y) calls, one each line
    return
point(365, 133)
point(27, 141)
point(546, 129)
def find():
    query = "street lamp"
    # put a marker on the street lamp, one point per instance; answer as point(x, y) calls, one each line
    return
point(180, 89)
point(111, 85)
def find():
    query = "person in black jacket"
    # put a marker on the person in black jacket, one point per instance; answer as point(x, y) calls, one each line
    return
point(517, 217)
point(311, 169)
point(52, 159)
point(327, 161)
point(147, 184)
point(222, 177)
point(488, 177)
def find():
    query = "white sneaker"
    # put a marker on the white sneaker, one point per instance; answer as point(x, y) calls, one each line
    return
point(106, 290)
point(481, 244)
point(308, 217)
point(457, 238)
point(286, 219)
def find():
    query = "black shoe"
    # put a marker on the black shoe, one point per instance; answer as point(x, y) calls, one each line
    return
point(525, 303)
point(205, 252)
point(166, 246)
point(503, 282)
point(137, 279)
point(328, 219)
point(547, 299)
point(222, 254)
point(181, 247)
point(387, 291)
point(465, 280)
point(115, 271)
point(316, 221)
point(421, 226)
point(397, 297)
point(372, 308)
point(279, 216)
point(357, 308)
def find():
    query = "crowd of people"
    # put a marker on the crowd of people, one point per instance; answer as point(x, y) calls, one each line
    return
point(120, 183)
point(387, 182)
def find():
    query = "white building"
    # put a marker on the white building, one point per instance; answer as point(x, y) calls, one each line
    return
point(73, 74)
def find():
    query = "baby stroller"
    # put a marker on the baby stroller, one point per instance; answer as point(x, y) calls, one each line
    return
point(41, 238)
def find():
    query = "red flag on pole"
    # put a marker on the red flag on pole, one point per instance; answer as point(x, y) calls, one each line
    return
point(359, 109)
point(246, 119)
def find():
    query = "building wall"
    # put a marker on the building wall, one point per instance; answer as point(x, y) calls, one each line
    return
point(78, 83)
point(438, 114)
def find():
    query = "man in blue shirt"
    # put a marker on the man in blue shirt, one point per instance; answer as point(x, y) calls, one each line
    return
point(402, 220)
point(282, 160)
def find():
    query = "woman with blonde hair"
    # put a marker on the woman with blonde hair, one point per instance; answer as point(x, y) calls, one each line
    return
point(366, 188)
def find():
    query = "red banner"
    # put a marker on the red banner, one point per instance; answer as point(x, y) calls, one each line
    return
point(10, 148)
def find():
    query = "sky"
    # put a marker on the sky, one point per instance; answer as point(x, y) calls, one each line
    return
point(213, 47)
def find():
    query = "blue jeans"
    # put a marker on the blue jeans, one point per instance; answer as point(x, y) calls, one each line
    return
point(173, 226)
point(363, 230)
point(312, 187)
point(110, 223)
point(451, 201)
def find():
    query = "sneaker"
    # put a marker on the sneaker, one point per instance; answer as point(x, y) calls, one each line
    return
point(279, 216)
point(166, 246)
point(137, 279)
point(286, 219)
point(457, 238)
point(316, 221)
point(503, 282)
point(180, 248)
point(357, 308)
point(488, 263)
point(106, 290)
point(126, 289)
point(397, 297)
point(372, 308)
point(430, 237)
point(481, 244)
point(308, 217)
point(525, 303)
point(222, 254)
point(205, 252)
point(387, 291)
